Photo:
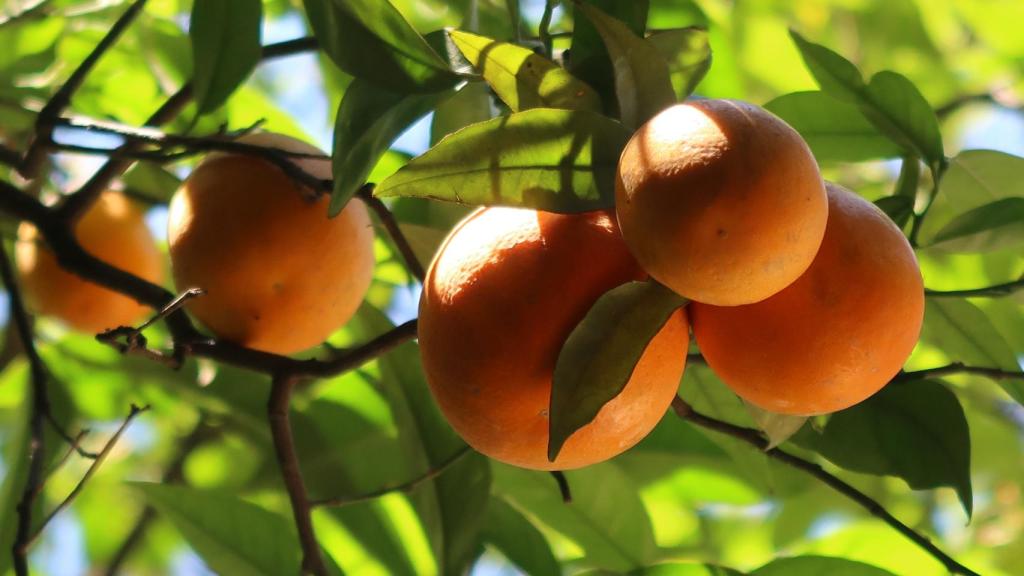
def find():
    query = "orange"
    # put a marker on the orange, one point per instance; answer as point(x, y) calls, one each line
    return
point(501, 297)
point(279, 275)
point(113, 230)
point(720, 201)
point(835, 336)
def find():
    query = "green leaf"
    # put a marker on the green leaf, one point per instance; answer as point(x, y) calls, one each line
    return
point(369, 119)
point(524, 79)
point(835, 129)
point(890, 101)
point(589, 59)
point(817, 565)
point(15, 445)
point(225, 48)
point(231, 535)
point(671, 569)
point(899, 110)
point(462, 492)
point(898, 208)
point(995, 226)
point(688, 54)
point(471, 104)
point(606, 518)
point(643, 85)
point(519, 540)
point(835, 74)
point(962, 331)
point(554, 160)
point(599, 355)
point(151, 181)
point(914, 430)
point(777, 427)
point(370, 39)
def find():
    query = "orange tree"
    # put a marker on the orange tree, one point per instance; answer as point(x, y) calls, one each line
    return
point(161, 446)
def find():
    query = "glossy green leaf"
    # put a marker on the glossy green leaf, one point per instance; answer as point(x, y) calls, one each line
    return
point(818, 565)
point(643, 85)
point(835, 129)
point(995, 226)
point(519, 540)
point(462, 492)
point(914, 430)
point(835, 74)
point(471, 104)
point(369, 118)
point(688, 54)
point(898, 208)
point(598, 357)
point(231, 535)
point(889, 101)
point(371, 39)
point(897, 108)
point(151, 182)
point(962, 331)
point(606, 518)
point(554, 160)
point(589, 59)
point(225, 48)
point(524, 79)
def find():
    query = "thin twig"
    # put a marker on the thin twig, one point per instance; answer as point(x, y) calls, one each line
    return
point(958, 368)
point(62, 98)
point(173, 474)
point(386, 218)
point(543, 31)
point(993, 291)
point(72, 441)
point(405, 487)
point(754, 438)
point(563, 486)
point(278, 407)
point(135, 411)
point(37, 419)
point(917, 219)
point(75, 446)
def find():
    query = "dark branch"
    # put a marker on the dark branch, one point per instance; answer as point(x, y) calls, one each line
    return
point(996, 290)
point(387, 219)
point(135, 411)
point(754, 438)
point(958, 368)
point(37, 420)
point(405, 487)
point(278, 407)
point(62, 98)
point(290, 47)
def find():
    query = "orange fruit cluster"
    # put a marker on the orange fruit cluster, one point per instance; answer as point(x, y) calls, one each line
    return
point(805, 298)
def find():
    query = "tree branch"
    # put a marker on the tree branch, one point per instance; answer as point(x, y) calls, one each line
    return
point(754, 438)
point(387, 219)
point(135, 411)
point(278, 407)
point(405, 487)
point(62, 98)
point(958, 368)
point(40, 407)
point(1004, 289)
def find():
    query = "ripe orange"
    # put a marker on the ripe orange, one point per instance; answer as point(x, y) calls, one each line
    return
point(112, 229)
point(835, 336)
point(279, 275)
point(720, 201)
point(501, 297)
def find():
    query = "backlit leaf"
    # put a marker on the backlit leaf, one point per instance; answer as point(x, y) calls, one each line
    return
point(225, 48)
